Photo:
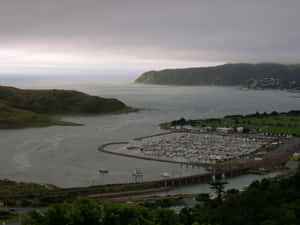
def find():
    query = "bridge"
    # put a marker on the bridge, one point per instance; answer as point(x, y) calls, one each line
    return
point(203, 178)
point(133, 188)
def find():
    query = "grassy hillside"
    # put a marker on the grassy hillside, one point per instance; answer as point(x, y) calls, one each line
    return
point(32, 108)
point(229, 74)
point(11, 117)
point(58, 101)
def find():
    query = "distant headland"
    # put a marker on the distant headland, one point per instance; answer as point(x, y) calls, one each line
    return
point(253, 76)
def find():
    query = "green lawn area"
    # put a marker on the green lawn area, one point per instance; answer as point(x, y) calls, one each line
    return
point(275, 123)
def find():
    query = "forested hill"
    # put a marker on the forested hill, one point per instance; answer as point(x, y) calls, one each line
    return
point(253, 75)
point(25, 108)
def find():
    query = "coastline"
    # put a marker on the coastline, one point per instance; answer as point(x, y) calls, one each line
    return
point(54, 119)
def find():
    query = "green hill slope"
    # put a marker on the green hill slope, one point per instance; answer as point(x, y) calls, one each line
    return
point(256, 75)
point(11, 117)
point(27, 108)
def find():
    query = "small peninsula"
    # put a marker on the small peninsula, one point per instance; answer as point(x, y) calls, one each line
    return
point(253, 76)
point(20, 108)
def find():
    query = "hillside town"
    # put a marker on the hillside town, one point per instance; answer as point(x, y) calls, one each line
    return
point(271, 82)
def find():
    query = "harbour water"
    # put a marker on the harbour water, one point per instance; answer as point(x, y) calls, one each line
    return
point(68, 156)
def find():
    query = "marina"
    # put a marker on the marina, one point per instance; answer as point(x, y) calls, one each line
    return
point(188, 148)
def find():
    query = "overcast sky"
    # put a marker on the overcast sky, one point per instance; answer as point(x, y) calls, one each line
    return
point(124, 36)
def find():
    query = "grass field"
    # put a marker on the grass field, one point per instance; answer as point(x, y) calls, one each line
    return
point(275, 123)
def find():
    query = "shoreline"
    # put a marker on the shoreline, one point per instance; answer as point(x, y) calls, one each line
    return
point(57, 119)
point(239, 86)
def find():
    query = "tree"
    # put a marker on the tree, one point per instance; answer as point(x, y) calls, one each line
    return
point(34, 218)
point(219, 187)
point(58, 214)
point(163, 216)
point(126, 215)
point(185, 216)
point(82, 211)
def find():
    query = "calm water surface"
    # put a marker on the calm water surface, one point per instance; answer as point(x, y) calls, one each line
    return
point(68, 156)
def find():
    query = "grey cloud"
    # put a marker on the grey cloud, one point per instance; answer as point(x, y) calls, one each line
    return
point(215, 30)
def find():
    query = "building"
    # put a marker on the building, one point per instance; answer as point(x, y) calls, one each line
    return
point(188, 127)
point(224, 130)
point(201, 129)
point(240, 129)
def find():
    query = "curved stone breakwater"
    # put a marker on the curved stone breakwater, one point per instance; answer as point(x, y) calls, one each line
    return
point(102, 149)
